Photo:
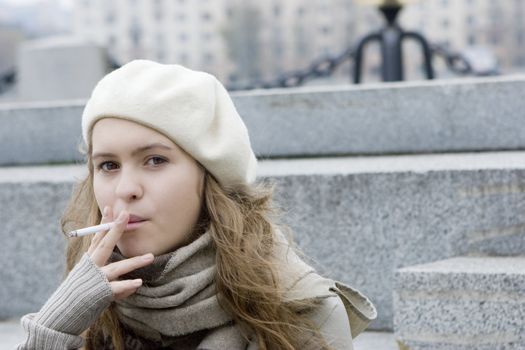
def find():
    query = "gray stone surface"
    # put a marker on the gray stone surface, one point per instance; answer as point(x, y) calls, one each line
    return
point(32, 252)
point(406, 117)
point(423, 117)
point(59, 68)
point(11, 334)
point(40, 132)
point(461, 303)
point(358, 221)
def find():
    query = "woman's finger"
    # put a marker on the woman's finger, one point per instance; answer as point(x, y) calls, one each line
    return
point(119, 268)
point(107, 216)
point(123, 289)
point(105, 247)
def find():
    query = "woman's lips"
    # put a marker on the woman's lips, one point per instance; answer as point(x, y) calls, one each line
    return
point(134, 218)
point(134, 225)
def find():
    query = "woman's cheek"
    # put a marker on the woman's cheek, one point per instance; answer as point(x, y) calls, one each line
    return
point(102, 193)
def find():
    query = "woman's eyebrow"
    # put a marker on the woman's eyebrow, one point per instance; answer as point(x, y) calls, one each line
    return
point(135, 152)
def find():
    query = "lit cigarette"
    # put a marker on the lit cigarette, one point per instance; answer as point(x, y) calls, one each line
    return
point(91, 229)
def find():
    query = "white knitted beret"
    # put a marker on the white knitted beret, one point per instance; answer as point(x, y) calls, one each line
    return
point(190, 107)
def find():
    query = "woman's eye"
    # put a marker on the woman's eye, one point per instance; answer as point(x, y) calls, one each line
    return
point(157, 160)
point(107, 166)
point(101, 166)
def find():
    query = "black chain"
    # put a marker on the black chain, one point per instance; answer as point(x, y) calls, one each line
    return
point(456, 62)
point(7, 80)
point(321, 67)
point(325, 66)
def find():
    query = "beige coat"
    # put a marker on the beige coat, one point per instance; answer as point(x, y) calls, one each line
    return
point(344, 312)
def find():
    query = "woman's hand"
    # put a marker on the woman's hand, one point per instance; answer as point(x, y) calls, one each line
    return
point(100, 250)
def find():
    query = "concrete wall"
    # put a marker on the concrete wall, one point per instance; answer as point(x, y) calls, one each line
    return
point(440, 116)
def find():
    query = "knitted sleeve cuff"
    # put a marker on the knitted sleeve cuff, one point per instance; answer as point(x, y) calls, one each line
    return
point(78, 301)
point(42, 338)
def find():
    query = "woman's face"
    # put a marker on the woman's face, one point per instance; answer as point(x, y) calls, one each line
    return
point(142, 171)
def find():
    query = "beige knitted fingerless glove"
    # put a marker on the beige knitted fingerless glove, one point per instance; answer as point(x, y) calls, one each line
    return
point(71, 309)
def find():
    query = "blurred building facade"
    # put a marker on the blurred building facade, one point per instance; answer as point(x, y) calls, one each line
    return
point(461, 24)
point(241, 41)
point(19, 22)
point(237, 40)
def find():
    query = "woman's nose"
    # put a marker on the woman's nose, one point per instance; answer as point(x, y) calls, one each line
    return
point(128, 186)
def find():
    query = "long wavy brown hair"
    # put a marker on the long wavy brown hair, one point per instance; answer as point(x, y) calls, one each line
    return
point(241, 221)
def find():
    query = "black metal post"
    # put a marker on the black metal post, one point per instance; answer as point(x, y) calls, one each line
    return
point(358, 60)
point(392, 67)
point(391, 40)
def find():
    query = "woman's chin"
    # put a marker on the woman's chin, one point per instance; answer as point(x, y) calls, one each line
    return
point(130, 248)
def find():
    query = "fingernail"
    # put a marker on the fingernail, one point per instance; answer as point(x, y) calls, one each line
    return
point(147, 257)
point(137, 282)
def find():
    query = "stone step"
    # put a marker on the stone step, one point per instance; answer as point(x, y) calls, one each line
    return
point(391, 118)
point(462, 303)
point(359, 218)
point(12, 334)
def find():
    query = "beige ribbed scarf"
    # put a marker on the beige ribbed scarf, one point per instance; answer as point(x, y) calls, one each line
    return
point(178, 294)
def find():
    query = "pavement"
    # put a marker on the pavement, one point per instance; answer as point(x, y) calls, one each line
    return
point(374, 341)
point(11, 334)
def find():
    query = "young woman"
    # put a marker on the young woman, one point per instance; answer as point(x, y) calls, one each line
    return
point(196, 257)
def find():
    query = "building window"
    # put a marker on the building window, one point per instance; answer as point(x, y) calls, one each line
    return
point(276, 10)
point(112, 40)
point(208, 58)
point(110, 18)
point(494, 38)
point(519, 38)
point(135, 33)
point(471, 39)
point(160, 39)
point(206, 16)
point(183, 37)
point(229, 12)
point(278, 49)
point(301, 48)
point(325, 30)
